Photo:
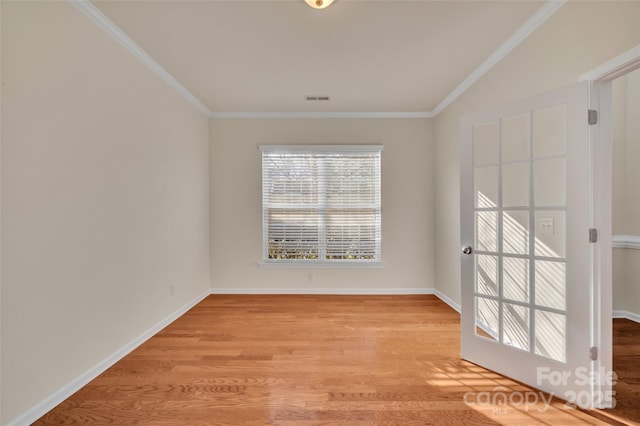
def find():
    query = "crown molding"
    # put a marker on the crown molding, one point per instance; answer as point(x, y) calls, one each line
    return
point(117, 34)
point(424, 114)
point(616, 67)
point(545, 12)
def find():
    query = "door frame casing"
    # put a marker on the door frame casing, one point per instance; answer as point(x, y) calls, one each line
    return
point(601, 183)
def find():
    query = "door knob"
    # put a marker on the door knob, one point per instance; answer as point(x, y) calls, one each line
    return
point(467, 250)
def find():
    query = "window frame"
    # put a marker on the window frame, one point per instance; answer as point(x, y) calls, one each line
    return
point(321, 249)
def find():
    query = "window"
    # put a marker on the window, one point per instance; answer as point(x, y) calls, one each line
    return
point(321, 204)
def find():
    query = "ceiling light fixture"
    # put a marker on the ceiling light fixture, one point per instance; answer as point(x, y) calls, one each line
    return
point(319, 4)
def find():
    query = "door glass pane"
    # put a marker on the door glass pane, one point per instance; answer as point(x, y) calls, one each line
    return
point(485, 144)
point(515, 138)
point(548, 131)
point(515, 327)
point(487, 318)
point(487, 231)
point(515, 184)
point(486, 187)
point(515, 279)
point(549, 182)
point(551, 331)
point(487, 275)
point(550, 233)
point(551, 284)
point(515, 232)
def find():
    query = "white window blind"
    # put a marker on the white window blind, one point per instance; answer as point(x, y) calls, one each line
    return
point(321, 203)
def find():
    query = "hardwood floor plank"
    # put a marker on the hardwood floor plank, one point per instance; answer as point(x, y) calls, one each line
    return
point(626, 364)
point(311, 360)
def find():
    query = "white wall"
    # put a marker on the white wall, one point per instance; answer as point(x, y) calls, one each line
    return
point(407, 203)
point(105, 200)
point(626, 197)
point(579, 37)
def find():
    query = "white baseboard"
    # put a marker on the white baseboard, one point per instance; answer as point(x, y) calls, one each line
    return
point(341, 291)
point(449, 301)
point(627, 315)
point(65, 392)
point(325, 290)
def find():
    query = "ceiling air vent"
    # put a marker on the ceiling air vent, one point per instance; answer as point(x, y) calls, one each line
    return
point(316, 98)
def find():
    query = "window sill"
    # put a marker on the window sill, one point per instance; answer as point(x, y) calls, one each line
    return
point(311, 265)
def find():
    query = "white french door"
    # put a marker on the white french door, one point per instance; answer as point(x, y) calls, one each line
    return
point(526, 261)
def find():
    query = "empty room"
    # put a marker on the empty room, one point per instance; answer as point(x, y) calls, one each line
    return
point(305, 212)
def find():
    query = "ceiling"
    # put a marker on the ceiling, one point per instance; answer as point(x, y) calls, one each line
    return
point(367, 56)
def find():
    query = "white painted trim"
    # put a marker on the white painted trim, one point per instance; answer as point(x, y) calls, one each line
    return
point(42, 408)
point(325, 291)
point(342, 292)
point(320, 149)
point(320, 265)
point(600, 184)
point(626, 241)
point(449, 301)
point(117, 34)
point(627, 315)
point(616, 67)
point(545, 12)
point(421, 114)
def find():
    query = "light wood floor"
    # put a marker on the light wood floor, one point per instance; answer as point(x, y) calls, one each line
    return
point(306, 360)
point(626, 363)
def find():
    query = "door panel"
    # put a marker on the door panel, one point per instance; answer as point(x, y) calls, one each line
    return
point(525, 211)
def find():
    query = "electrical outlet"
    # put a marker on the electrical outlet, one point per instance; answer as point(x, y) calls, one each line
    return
point(172, 290)
point(545, 226)
point(309, 276)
